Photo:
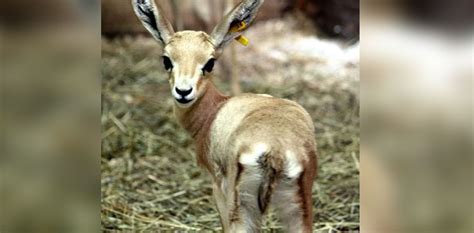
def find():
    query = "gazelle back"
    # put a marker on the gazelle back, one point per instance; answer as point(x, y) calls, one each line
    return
point(259, 150)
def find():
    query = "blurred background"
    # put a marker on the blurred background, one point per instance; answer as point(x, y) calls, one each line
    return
point(416, 156)
point(416, 124)
point(336, 18)
point(306, 51)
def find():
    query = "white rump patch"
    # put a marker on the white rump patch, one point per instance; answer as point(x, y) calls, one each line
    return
point(252, 157)
point(265, 95)
point(293, 166)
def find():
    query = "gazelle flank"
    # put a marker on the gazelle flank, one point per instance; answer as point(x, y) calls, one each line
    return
point(259, 150)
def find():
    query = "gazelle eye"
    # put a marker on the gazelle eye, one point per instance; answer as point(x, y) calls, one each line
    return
point(167, 63)
point(209, 65)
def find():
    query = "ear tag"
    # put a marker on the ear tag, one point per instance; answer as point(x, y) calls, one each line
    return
point(241, 39)
point(237, 28)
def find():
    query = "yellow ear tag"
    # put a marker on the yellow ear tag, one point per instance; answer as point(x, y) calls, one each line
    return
point(237, 28)
point(241, 39)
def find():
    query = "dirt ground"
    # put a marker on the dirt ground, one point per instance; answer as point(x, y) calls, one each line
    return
point(150, 179)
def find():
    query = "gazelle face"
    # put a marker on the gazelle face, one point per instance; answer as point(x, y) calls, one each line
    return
point(188, 58)
point(189, 55)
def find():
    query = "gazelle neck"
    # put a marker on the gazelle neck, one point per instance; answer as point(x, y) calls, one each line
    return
point(198, 118)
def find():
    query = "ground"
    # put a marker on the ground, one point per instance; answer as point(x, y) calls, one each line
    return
point(150, 179)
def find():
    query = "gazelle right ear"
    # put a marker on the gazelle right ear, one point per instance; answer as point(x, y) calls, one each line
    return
point(153, 19)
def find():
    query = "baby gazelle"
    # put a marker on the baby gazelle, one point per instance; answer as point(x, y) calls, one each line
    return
point(259, 150)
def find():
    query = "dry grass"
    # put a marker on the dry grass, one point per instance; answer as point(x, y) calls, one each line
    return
point(150, 180)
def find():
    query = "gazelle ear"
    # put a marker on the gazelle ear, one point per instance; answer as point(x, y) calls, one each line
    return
point(153, 19)
point(235, 23)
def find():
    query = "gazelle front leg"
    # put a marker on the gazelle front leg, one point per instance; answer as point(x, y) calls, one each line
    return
point(221, 203)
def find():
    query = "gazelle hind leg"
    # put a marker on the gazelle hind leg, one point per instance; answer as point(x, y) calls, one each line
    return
point(292, 200)
point(245, 215)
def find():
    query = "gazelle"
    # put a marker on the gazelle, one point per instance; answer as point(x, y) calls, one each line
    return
point(259, 150)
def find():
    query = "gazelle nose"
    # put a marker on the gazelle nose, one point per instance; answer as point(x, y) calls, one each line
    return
point(183, 92)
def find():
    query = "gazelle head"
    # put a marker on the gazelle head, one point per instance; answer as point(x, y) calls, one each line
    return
point(189, 56)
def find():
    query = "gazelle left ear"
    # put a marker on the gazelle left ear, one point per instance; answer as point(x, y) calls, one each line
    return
point(235, 23)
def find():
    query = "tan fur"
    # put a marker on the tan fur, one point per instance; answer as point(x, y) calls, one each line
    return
point(198, 118)
point(283, 126)
point(189, 49)
point(259, 150)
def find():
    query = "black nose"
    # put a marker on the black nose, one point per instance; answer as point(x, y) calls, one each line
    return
point(183, 92)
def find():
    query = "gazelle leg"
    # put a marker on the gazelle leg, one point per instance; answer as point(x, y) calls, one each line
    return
point(245, 215)
point(305, 185)
point(293, 203)
point(221, 204)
